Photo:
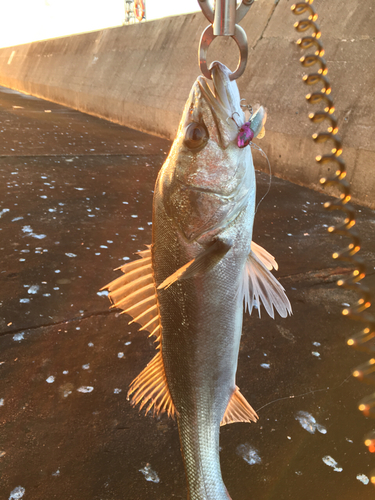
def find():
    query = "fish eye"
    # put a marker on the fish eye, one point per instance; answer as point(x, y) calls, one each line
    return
point(196, 136)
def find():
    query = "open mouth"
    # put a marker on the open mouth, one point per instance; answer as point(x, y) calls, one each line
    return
point(223, 99)
point(225, 92)
point(215, 100)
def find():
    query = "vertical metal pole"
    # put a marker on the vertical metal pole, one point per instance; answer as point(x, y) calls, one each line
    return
point(225, 17)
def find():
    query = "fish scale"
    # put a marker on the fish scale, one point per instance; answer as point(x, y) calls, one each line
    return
point(200, 344)
point(204, 268)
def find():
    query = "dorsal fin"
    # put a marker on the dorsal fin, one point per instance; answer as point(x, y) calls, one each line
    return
point(238, 410)
point(134, 292)
point(151, 387)
point(259, 286)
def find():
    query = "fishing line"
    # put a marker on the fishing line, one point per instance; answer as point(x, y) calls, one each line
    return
point(305, 394)
point(255, 146)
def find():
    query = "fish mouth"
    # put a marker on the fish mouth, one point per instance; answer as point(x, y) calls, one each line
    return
point(214, 107)
point(225, 98)
point(211, 185)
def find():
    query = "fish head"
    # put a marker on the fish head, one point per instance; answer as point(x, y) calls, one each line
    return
point(207, 179)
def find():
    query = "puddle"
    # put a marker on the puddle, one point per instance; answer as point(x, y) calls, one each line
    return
point(331, 462)
point(17, 493)
point(149, 474)
point(249, 454)
point(309, 423)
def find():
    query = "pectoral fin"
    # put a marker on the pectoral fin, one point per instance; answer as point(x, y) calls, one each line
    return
point(238, 410)
point(265, 257)
point(203, 263)
point(259, 286)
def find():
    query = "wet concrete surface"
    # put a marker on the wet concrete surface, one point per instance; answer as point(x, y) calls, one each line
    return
point(76, 195)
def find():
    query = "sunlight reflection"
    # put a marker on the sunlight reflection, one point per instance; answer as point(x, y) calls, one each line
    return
point(24, 21)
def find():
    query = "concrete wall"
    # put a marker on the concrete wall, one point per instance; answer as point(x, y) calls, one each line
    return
point(140, 76)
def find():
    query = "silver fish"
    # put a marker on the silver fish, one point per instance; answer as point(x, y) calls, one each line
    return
point(190, 286)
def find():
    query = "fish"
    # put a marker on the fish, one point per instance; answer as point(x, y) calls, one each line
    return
point(191, 285)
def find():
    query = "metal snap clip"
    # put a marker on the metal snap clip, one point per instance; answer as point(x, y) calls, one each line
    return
point(224, 21)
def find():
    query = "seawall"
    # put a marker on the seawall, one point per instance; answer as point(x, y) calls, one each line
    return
point(140, 76)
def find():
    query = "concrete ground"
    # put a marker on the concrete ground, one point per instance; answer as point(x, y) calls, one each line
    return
point(76, 195)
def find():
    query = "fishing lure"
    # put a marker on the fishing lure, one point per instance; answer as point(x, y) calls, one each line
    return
point(255, 122)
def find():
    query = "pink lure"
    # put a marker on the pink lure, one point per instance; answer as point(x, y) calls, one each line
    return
point(245, 135)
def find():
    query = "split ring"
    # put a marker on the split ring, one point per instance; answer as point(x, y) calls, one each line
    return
point(207, 37)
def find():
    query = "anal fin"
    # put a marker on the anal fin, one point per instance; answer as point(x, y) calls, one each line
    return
point(151, 388)
point(238, 410)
